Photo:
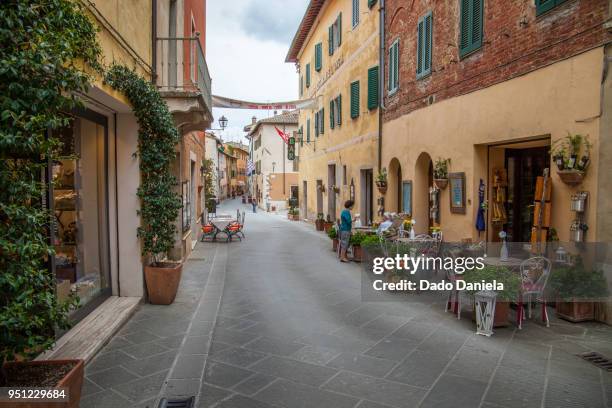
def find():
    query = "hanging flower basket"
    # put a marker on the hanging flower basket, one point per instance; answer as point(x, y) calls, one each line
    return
point(382, 187)
point(441, 183)
point(571, 177)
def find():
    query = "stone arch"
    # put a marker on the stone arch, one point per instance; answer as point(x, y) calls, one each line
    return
point(423, 180)
point(394, 191)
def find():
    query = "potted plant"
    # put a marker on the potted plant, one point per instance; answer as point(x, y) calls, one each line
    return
point(572, 157)
point(293, 214)
point(381, 181)
point(508, 278)
point(333, 235)
point(355, 241)
point(576, 288)
point(319, 222)
point(441, 172)
point(328, 223)
point(159, 201)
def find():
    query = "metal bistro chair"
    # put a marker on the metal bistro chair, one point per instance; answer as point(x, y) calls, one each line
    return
point(534, 278)
point(235, 229)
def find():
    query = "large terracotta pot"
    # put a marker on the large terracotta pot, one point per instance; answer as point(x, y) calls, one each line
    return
point(327, 226)
point(319, 224)
point(335, 243)
point(163, 282)
point(576, 311)
point(73, 382)
point(357, 253)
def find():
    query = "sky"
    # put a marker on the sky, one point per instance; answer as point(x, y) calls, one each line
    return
point(246, 45)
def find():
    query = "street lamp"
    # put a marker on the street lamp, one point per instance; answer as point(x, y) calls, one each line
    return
point(223, 122)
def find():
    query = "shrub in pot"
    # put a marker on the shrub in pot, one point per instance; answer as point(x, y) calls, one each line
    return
point(355, 241)
point(511, 281)
point(159, 202)
point(319, 222)
point(40, 79)
point(576, 288)
point(328, 223)
point(333, 235)
point(381, 181)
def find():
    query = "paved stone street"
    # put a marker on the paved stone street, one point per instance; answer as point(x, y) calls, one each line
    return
point(276, 321)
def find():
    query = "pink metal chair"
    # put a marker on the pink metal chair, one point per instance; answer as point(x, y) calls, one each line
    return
point(534, 278)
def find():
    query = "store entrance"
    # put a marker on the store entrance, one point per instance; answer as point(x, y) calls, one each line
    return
point(523, 166)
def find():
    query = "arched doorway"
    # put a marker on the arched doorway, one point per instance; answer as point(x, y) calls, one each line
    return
point(423, 180)
point(394, 192)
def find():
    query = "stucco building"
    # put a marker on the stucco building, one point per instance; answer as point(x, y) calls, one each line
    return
point(336, 51)
point(275, 178)
point(492, 85)
point(211, 152)
point(241, 153)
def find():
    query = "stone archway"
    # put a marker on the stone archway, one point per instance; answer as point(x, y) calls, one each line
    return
point(423, 180)
point(394, 192)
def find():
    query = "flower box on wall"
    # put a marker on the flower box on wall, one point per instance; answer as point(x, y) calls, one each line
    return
point(571, 177)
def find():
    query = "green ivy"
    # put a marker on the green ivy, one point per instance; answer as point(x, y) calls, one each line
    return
point(43, 45)
point(157, 140)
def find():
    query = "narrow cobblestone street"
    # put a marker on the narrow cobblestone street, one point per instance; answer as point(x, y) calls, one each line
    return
point(275, 320)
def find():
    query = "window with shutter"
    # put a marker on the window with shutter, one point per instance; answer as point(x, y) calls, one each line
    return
point(301, 85)
point(371, 3)
point(373, 88)
point(318, 56)
point(332, 119)
point(308, 130)
point(542, 6)
point(339, 24)
point(394, 67)
point(322, 120)
point(339, 110)
point(424, 45)
point(471, 16)
point(316, 124)
point(330, 40)
point(355, 13)
point(308, 75)
point(301, 132)
point(354, 99)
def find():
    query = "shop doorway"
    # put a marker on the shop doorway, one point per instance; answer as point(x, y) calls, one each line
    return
point(367, 196)
point(331, 194)
point(423, 182)
point(523, 166)
point(319, 197)
point(394, 193)
point(305, 201)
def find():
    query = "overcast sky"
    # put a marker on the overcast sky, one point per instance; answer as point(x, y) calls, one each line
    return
point(246, 45)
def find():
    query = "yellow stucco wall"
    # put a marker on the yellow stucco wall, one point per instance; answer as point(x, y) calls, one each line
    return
point(354, 143)
point(550, 102)
point(125, 36)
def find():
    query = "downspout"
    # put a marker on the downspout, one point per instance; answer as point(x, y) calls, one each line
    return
point(117, 207)
point(381, 80)
point(154, 41)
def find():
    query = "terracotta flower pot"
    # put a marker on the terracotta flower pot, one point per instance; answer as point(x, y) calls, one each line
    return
point(319, 225)
point(327, 226)
point(576, 311)
point(73, 382)
point(382, 187)
point(357, 253)
point(335, 243)
point(163, 282)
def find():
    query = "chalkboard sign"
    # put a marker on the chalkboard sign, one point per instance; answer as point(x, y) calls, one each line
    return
point(457, 192)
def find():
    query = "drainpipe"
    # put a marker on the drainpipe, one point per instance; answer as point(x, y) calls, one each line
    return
point(381, 79)
point(153, 41)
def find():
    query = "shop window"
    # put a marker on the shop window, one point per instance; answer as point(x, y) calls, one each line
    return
point(471, 15)
point(79, 205)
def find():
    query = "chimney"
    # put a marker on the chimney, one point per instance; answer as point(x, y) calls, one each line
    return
point(254, 120)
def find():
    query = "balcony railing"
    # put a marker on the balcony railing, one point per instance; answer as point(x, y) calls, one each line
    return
point(182, 67)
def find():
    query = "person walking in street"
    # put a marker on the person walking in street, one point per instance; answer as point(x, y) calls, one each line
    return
point(254, 204)
point(346, 225)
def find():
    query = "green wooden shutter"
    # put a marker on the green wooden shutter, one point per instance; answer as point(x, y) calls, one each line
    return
point(355, 99)
point(339, 29)
point(332, 120)
point(308, 75)
point(308, 130)
point(301, 135)
point(471, 16)
point(355, 12)
point(316, 124)
point(339, 110)
point(542, 6)
point(371, 3)
point(318, 56)
point(322, 120)
point(420, 45)
point(301, 85)
point(330, 40)
point(373, 88)
point(394, 67)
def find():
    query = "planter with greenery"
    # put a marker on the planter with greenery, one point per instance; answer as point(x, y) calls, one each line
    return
point(572, 155)
point(333, 235)
point(159, 201)
point(441, 172)
point(381, 181)
point(293, 214)
point(328, 223)
point(511, 281)
point(44, 46)
point(319, 222)
point(576, 289)
point(355, 241)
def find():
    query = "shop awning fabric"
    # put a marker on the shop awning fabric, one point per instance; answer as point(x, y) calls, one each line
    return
point(223, 102)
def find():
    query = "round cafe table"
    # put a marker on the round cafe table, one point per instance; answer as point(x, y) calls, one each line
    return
point(220, 223)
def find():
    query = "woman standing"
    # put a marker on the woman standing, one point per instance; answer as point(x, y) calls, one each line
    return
point(346, 225)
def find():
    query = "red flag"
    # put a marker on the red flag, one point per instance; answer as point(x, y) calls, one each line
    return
point(282, 134)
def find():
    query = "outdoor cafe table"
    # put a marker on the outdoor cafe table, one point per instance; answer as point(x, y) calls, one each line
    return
point(221, 222)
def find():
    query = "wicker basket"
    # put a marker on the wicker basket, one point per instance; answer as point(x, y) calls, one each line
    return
point(571, 177)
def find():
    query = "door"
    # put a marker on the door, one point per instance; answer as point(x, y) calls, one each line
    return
point(524, 166)
point(407, 197)
point(305, 202)
point(331, 195)
point(319, 197)
point(367, 196)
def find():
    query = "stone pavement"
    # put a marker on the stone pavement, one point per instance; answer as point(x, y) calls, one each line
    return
point(276, 321)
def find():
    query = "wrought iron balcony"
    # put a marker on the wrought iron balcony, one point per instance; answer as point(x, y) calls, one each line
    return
point(182, 72)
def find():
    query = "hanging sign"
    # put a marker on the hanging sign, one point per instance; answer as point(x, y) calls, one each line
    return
point(223, 102)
